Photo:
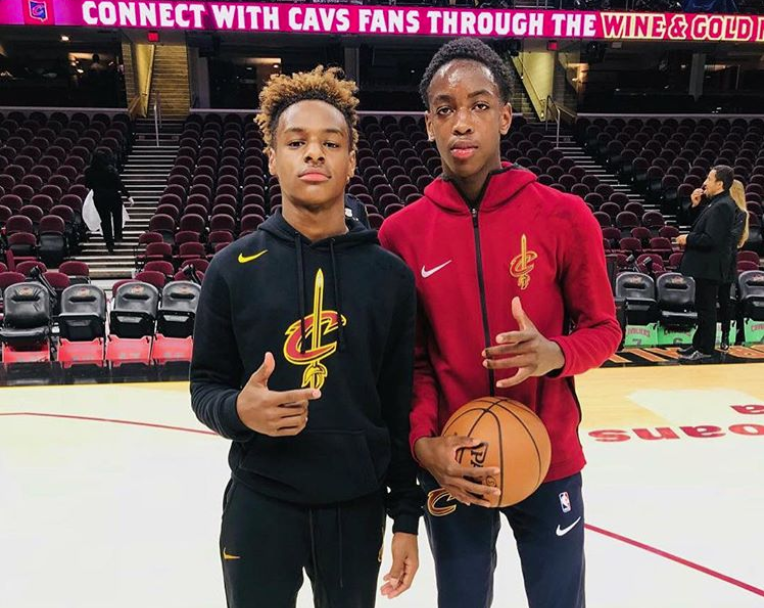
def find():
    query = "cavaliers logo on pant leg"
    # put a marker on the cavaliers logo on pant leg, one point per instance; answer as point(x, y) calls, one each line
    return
point(438, 503)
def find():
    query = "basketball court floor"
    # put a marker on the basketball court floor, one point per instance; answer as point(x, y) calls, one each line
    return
point(110, 495)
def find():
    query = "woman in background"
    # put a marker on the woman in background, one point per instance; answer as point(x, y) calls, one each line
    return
point(738, 239)
point(103, 179)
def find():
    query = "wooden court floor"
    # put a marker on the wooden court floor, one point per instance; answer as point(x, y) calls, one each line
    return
point(110, 495)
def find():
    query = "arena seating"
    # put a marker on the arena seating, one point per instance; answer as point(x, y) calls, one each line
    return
point(219, 190)
point(668, 159)
point(42, 163)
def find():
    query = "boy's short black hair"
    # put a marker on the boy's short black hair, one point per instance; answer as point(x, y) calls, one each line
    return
point(474, 50)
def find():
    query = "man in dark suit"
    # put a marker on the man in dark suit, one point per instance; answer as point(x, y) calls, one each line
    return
point(706, 257)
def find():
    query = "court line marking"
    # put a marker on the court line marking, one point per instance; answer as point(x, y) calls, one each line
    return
point(677, 559)
point(113, 421)
point(607, 533)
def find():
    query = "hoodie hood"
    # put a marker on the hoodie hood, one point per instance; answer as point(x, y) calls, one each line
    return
point(499, 188)
point(357, 234)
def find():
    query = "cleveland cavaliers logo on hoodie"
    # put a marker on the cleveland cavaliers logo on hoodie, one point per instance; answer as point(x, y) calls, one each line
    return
point(522, 265)
point(307, 341)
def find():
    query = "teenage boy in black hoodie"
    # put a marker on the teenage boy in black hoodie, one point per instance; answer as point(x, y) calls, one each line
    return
point(303, 356)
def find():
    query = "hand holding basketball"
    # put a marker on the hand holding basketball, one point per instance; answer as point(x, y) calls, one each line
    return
point(438, 456)
point(509, 436)
point(526, 349)
point(273, 413)
point(405, 564)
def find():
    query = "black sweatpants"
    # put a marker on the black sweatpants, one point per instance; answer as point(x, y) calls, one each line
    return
point(110, 212)
point(266, 543)
point(549, 530)
point(705, 304)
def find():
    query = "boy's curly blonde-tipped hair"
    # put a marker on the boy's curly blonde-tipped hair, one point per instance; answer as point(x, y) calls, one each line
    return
point(322, 84)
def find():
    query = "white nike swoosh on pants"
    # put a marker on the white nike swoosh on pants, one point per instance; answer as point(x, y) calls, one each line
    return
point(428, 273)
point(564, 531)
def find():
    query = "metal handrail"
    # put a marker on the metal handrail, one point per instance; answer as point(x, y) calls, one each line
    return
point(556, 108)
point(533, 95)
point(149, 79)
point(134, 107)
point(157, 115)
point(563, 110)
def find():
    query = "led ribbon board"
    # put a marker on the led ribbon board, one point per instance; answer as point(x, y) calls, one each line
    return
point(383, 20)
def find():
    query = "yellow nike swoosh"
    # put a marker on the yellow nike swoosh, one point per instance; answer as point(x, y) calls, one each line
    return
point(243, 259)
point(227, 556)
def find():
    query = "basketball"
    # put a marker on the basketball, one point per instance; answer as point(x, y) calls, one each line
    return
point(513, 439)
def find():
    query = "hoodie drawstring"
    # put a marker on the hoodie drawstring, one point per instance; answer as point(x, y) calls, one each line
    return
point(339, 542)
point(301, 289)
point(337, 296)
point(338, 300)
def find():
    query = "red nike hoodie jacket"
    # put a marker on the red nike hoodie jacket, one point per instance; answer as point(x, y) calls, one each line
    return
point(521, 239)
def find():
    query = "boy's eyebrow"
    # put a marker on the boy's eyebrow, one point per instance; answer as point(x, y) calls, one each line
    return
point(330, 130)
point(447, 97)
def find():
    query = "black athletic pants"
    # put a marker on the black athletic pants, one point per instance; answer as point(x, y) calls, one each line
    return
point(705, 304)
point(725, 308)
point(549, 530)
point(265, 544)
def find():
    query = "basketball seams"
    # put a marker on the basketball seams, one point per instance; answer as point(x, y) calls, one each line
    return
point(479, 408)
point(530, 436)
point(501, 452)
point(474, 425)
point(469, 411)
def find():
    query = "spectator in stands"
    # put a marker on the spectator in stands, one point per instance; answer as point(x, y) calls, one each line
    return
point(503, 266)
point(707, 258)
point(103, 179)
point(739, 237)
point(316, 290)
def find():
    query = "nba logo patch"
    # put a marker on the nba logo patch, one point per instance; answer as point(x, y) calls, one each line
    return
point(565, 502)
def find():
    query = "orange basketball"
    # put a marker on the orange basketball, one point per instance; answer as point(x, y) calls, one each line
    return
point(514, 440)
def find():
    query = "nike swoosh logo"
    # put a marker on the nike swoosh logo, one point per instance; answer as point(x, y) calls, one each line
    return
point(564, 531)
point(428, 273)
point(227, 556)
point(243, 259)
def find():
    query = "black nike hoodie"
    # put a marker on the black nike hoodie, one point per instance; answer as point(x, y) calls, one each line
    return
point(260, 294)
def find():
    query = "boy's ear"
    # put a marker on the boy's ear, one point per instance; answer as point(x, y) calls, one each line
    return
point(506, 118)
point(270, 152)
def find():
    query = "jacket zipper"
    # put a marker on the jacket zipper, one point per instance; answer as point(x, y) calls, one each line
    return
point(483, 303)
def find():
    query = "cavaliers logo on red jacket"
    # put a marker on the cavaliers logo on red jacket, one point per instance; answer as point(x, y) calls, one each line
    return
point(522, 265)
point(319, 325)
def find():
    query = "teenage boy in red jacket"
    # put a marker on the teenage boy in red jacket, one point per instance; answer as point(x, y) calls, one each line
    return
point(514, 301)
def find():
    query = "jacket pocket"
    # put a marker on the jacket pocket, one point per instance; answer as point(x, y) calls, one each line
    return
point(314, 467)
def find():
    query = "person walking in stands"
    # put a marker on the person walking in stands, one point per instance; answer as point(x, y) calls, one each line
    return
point(514, 301)
point(103, 179)
point(707, 258)
point(309, 313)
